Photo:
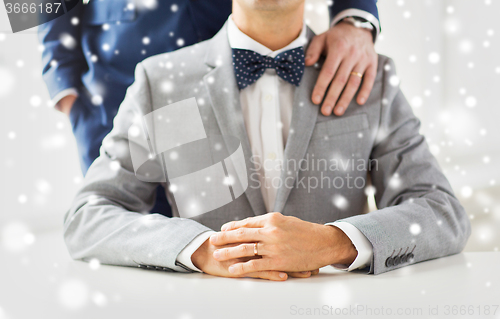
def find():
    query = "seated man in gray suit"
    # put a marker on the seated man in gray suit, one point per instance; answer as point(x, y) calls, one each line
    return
point(302, 207)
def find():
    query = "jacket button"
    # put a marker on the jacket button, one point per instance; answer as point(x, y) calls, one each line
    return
point(397, 260)
point(404, 259)
point(389, 262)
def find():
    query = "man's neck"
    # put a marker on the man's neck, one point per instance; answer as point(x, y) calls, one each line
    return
point(273, 29)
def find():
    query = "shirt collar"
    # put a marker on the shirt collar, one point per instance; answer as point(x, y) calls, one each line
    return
point(239, 40)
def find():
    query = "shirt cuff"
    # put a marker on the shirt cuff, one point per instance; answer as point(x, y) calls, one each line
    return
point(361, 14)
point(58, 97)
point(184, 256)
point(362, 244)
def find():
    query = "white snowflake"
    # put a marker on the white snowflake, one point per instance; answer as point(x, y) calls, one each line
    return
point(22, 198)
point(340, 202)
point(67, 41)
point(415, 229)
point(466, 46)
point(73, 294)
point(114, 165)
point(94, 264)
point(434, 57)
point(174, 155)
point(167, 86)
point(99, 299)
point(394, 80)
point(43, 186)
point(466, 191)
point(96, 100)
point(416, 101)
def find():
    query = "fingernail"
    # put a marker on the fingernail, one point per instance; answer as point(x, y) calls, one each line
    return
point(304, 272)
point(216, 254)
point(361, 100)
point(213, 238)
point(232, 269)
point(340, 110)
point(282, 275)
point(223, 228)
point(317, 98)
point(308, 57)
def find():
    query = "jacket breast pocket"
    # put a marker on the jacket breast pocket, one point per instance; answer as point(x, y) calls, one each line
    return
point(340, 126)
point(98, 12)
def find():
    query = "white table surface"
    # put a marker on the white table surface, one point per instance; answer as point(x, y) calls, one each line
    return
point(43, 282)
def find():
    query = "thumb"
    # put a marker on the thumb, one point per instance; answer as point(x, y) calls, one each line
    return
point(315, 48)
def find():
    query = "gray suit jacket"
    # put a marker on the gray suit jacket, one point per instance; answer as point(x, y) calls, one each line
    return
point(418, 216)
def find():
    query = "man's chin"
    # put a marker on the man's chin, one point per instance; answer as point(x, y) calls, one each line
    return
point(271, 5)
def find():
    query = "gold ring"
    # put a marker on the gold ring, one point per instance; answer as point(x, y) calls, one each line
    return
point(255, 251)
point(357, 74)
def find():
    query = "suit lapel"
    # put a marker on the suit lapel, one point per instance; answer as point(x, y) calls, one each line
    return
point(304, 116)
point(225, 101)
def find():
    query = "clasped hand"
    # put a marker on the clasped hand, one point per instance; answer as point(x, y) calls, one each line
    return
point(286, 245)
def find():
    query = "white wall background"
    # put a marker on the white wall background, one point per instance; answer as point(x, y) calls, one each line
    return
point(446, 53)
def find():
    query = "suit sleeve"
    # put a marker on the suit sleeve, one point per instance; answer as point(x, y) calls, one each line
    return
point(62, 57)
point(108, 219)
point(418, 216)
point(369, 6)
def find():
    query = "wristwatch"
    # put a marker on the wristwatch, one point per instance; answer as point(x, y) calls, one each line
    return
point(359, 22)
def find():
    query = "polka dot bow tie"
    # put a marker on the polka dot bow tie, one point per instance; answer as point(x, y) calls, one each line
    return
point(249, 66)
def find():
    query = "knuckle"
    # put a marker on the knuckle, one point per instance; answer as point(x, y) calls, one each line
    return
point(355, 80)
point(342, 79)
point(270, 274)
point(240, 232)
point(273, 231)
point(354, 52)
point(238, 269)
point(242, 249)
point(330, 99)
point(329, 72)
point(274, 217)
point(266, 275)
point(221, 237)
point(258, 231)
point(250, 265)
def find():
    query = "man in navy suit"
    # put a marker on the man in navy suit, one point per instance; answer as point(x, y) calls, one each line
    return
point(91, 52)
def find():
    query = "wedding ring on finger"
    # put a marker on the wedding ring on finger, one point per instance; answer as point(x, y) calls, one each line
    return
point(357, 74)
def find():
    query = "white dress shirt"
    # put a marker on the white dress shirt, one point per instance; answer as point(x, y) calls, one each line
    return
point(267, 110)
